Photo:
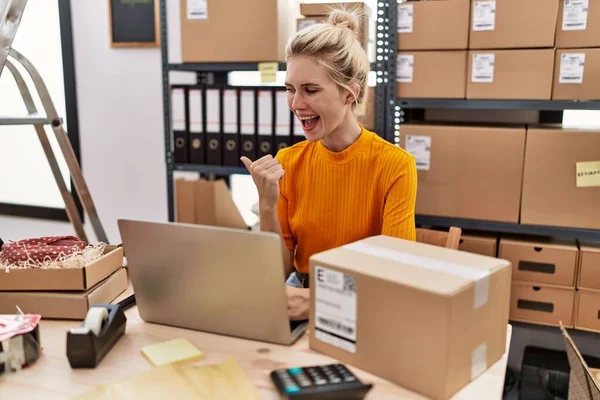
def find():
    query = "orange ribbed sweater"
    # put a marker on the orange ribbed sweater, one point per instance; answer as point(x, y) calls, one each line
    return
point(329, 199)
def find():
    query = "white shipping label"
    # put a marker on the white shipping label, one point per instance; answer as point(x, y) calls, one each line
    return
point(405, 18)
point(420, 148)
point(478, 361)
point(575, 15)
point(335, 308)
point(571, 68)
point(406, 64)
point(197, 9)
point(177, 109)
point(483, 68)
point(484, 15)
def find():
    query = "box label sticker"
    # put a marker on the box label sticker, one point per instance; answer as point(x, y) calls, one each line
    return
point(478, 361)
point(484, 15)
point(588, 174)
point(571, 68)
point(197, 9)
point(575, 14)
point(420, 148)
point(306, 23)
point(335, 308)
point(406, 64)
point(483, 68)
point(405, 18)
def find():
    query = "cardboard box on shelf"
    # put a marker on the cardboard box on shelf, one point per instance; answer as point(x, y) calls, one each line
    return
point(456, 325)
point(416, 19)
point(542, 262)
point(431, 74)
point(207, 203)
point(486, 245)
point(64, 278)
point(510, 74)
point(239, 31)
point(561, 178)
point(589, 267)
point(67, 304)
point(512, 24)
point(578, 24)
point(577, 75)
point(467, 171)
point(542, 304)
point(587, 306)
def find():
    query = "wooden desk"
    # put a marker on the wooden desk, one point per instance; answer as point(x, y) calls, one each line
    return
point(51, 377)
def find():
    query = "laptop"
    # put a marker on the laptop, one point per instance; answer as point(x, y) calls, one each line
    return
point(214, 279)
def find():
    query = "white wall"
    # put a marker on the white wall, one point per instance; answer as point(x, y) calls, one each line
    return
point(119, 95)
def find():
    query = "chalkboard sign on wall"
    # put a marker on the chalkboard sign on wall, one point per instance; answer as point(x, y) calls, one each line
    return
point(134, 23)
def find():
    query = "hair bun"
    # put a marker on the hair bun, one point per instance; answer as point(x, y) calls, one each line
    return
point(345, 18)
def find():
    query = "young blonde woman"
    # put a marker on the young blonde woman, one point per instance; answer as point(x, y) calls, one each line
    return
point(343, 183)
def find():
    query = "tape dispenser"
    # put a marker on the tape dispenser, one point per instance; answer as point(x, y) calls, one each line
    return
point(102, 327)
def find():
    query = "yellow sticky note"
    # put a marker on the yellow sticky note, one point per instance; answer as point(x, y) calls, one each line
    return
point(588, 174)
point(268, 72)
point(173, 351)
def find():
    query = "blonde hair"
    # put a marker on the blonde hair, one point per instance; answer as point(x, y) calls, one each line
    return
point(335, 46)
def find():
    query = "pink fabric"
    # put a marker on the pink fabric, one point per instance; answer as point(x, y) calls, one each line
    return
point(40, 249)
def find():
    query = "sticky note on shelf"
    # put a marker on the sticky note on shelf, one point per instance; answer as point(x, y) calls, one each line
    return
point(268, 72)
point(173, 351)
point(588, 173)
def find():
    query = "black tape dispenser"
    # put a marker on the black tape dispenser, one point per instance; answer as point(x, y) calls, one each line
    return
point(102, 328)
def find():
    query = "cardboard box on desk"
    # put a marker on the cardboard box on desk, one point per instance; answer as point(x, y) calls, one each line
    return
point(512, 24)
point(427, 318)
point(578, 24)
point(561, 178)
point(65, 304)
point(577, 74)
point(431, 74)
point(416, 19)
point(63, 278)
point(510, 74)
point(467, 171)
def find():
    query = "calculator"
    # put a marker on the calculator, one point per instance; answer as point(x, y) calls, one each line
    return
point(332, 381)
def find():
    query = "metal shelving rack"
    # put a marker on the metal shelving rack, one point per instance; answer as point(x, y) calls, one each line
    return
point(385, 34)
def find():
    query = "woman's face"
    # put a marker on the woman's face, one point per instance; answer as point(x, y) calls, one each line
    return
point(315, 98)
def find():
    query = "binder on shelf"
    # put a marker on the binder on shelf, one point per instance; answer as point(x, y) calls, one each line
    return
point(179, 125)
point(298, 132)
point(230, 141)
point(247, 124)
point(213, 126)
point(197, 142)
point(283, 121)
point(265, 106)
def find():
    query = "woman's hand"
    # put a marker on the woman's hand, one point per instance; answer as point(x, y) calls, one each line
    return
point(298, 303)
point(266, 173)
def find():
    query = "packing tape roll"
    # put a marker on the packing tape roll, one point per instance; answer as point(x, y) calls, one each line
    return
point(94, 319)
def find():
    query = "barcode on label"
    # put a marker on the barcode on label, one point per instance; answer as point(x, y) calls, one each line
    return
point(338, 326)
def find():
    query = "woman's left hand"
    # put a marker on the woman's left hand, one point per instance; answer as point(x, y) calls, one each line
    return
point(298, 303)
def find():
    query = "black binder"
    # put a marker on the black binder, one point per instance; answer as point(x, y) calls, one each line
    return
point(283, 121)
point(265, 106)
point(179, 124)
point(248, 123)
point(231, 154)
point(195, 114)
point(214, 125)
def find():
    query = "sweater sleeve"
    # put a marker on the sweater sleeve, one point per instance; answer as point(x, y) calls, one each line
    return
point(399, 208)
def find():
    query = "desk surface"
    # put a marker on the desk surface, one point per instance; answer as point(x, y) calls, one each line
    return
point(51, 377)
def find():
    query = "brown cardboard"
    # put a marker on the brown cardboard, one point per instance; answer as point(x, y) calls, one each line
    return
point(588, 310)
point(550, 194)
point(239, 31)
point(517, 74)
point(453, 15)
point(589, 268)
point(485, 245)
point(435, 74)
point(475, 172)
point(207, 203)
point(541, 304)
point(518, 24)
point(588, 37)
point(448, 324)
point(63, 279)
point(65, 305)
point(589, 86)
point(541, 262)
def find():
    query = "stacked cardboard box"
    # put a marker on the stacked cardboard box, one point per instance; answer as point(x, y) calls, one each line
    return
point(587, 296)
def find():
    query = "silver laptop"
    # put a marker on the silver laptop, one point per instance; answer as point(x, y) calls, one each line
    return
point(220, 280)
